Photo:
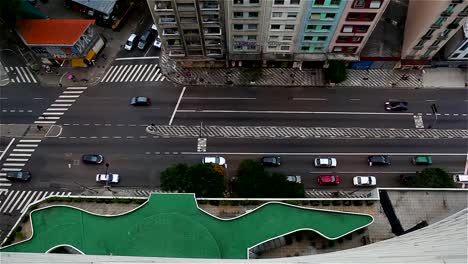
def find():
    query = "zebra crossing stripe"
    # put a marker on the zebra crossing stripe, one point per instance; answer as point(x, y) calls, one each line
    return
point(25, 74)
point(108, 73)
point(69, 96)
point(30, 140)
point(135, 73)
point(129, 72)
point(31, 74)
point(56, 109)
point(29, 201)
point(155, 74)
point(11, 169)
point(24, 200)
point(7, 70)
point(122, 74)
point(72, 92)
point(4, 204)
point(14, 164)
point(45, 122)
point(5, 184)
point(19, 155)
point(52, 113)
point(60, 105)
point(119, 68)
point(150, 71)
point(16, 201)
point(10, 159)
point(27, 145)
point(141, 72)
point(52, 117)
point(163, 78)
point(23, 150)
point(65, 100)
point(18, 73)
point(77, 88)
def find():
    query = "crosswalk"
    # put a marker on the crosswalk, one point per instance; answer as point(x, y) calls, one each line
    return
point(134, 73)
point(18, 201)
point(20, 75)
point(60, 105)
point(17, 159)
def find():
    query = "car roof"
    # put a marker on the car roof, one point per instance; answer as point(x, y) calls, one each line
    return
point(327, 177)
point(132, 37)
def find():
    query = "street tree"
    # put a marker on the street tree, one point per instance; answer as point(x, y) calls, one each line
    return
point(431, 178)
point(336, 71)
point(202, 179)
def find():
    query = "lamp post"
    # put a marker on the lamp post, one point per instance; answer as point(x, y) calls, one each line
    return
point(108, 178)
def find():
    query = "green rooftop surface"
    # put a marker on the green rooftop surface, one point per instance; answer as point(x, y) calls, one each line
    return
point(172, 225)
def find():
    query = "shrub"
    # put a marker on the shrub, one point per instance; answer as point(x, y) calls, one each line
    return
point(336, 71)
point(325, 203)
point(347, 203)
point(288, 240)
point(139, 201)
point(25, 219)
point(339, 240)
point(293, 202)
point(370, 202)
point(315, 203)
point(77, 200)
point(357, 202)
point(299, 237)
point(331, 243)
point(214, 202)
point(202, 201)
point(19, 235)
point(336, 203)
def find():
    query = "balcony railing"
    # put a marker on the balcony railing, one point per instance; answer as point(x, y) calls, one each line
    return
point(185, 7)
point(212, 31)
point(163, 6)
point(176, 53)
point(212, 19)
point(453, 25)
point(209, 6)
point(420, 47)
point(166, 20)
point(170, 32)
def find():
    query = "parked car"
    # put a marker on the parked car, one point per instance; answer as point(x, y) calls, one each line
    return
point(296, 179)
point(271, 161)
point(154, 29)
point(380, 160)
point(131, 42)
point(140, 101)
point(421, 160)
point(92, 158)
point(144, 39)
point(364, 181)
point(109, 178)
point(460, 178)
point(215, 160)
point(328, 179)
point(325, 162)
point(157, 42)
point(18, 175)
point(393, 105)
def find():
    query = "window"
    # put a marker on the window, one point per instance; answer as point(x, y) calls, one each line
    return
point(326, 27)
point(360, 16)
point(361, 29)
point(238, 2)
point(466, 56)
point(238, 26)
point(277, 14)
point(349, 39)
point(359, 3)
point(253, 14)
point(274, 37)
point(252, 26)
point(238, 37)
point(292, 14)
point(318, 48)
point(252, 37)
point(289, 27)
point(439, 22)
point(284, 47)
point(315, 16)
point(238, 14)
point(346, 49)
point(305, 48)
point(420, 43)
point(319, 2)
point(464, 47)
point(311, 27)
point(254, 2)
point(428, 33)
point(238, 47)
point(330, 15)
point(347, 29)
point(337, 49)
point(335, 2)
point(436, 43)
point(321, 38)
point(375, 4)
point(279, 2)
point(294, 2)
point(308, 38)
point(251, 47)
point(287, 37)
point(274, 26)
point(272, 47)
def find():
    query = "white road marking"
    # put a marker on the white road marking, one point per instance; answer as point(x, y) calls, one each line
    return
point(19, 74)
point(52, 113)
point(137, 58)
point(163, 78)
point(9, 201)
point(355, 99)
point(24, 200)
point(141, 72)
point(60, 105)
point(156, 74)
point(27, 145)
point(65, 100)
point(56, 109)
point(38, 98)
point(219, 98)
point(23, 150)
point(108, 73)
point(121, 75)
point(325, 153)
point(309, 99)
point(21, 160)
point(20, 155)
point(128, 73)
point(29, 201)
point(136, 72)
point(148, 72)
point(117, 73)
point(290, 112)
point(25, 74)
point(73, 92)
point(77, 88)
point(3, 98)
point(6, 149)
point(30, 140)
point(177, 105)
point(430, 100)
point(11, 169)
point(31, 74)
point(69, 96)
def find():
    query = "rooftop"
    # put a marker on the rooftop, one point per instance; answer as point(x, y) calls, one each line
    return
point(52, 31)
point(105, 7)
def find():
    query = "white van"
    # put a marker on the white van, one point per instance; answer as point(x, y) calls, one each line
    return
point(460, 178)
point(131, 42)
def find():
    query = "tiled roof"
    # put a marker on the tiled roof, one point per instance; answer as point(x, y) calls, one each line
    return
point(52, 31)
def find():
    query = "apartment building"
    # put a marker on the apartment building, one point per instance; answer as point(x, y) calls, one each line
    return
point(429, 25)
point(457, 47)
point(192, 31)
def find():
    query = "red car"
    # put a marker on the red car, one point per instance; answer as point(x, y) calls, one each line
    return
point(328, 179)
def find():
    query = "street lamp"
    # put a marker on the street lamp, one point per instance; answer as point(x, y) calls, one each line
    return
point(108, 178)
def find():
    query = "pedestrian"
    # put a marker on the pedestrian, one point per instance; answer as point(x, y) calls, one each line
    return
point(39, 127)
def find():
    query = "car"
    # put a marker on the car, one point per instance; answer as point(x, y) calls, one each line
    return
point(144, 40)
point(131, 42)
point(393, 105)
point(109, 178)
point(140, 101)
point(325, 162)
point(380, 160)
point(364, 181)
point(271, 161)
point(214, 160)
point(158, 43)
point(296, 179)
point(154, 29)
point(18, 175)
point(328, 179)
point(92, 158)
point(421, 160)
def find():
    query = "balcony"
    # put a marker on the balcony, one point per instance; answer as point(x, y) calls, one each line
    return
point(163, 6)
point(193, 43)
point(174, 43)
point(167, 20)
point(170, 32)
point(176, 53)
point(418, 47)
point(186, 8)
point(191, 32)
point(212, 42)
point(212, 5)
point(446, 13)
point(212, 31)
point(210, 19)
point(433, 47)
point(214, 52)
point(453, 26)
point(188, 20)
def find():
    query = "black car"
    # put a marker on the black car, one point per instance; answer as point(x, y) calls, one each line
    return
point(380, 160)
point(271, 161)
point(140, 101)
point(92, 158)
point(396, 106)
point(18, 175)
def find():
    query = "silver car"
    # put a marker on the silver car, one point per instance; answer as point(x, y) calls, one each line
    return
point(325, 162)
point(215, 160)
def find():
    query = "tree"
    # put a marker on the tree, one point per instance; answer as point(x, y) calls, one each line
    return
point(252, 181)
point(252, 74)
point(431, 178)
point(336, 71)
point(202, 179)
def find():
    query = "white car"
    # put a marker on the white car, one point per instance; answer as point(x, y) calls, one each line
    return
point(364, 181)
point(296, 179)
point(215, 160)
point(131, 42)
point(325, 162)
point(110, 177)
point(157, 42)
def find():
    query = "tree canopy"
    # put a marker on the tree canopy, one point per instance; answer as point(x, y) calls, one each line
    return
point(336, 71)
point(205, 180)
point(431, 178)
point(253, 181)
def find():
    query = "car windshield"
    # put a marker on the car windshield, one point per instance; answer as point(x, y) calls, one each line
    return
point(332, 178)
point(92, 158)
point(141, 99)
point(129, 43)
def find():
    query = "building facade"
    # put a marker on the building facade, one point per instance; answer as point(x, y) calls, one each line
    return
point(426, 34)
point(457, 47)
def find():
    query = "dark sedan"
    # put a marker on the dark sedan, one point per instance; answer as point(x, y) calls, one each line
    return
point(380, 160)
point(92, 158)
point(140, 101)
point(18, 175)
point(271, 161)
point(396, 106)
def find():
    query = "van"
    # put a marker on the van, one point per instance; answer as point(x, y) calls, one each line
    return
point(144, 40)
point(131, 42)
point(460, 178)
